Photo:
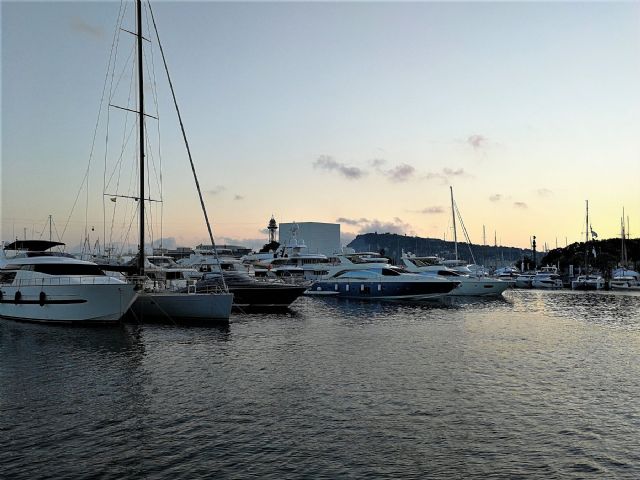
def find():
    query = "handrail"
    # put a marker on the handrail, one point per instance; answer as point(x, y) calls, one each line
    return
point(60, 281)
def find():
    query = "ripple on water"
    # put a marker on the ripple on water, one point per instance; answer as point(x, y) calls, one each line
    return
point(534, 385)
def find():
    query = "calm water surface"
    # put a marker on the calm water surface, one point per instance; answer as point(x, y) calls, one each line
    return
point(537, 385)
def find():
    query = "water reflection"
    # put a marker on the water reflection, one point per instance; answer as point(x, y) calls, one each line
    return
point(613, 309)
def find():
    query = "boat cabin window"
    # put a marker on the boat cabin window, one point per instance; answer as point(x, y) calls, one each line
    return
point(448, 273)
point(7, 277)
point(173, 275)
point(66, 269)
point(388, 272)
point(360, 274)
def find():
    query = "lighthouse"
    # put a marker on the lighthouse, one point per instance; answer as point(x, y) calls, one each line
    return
point(272, 227)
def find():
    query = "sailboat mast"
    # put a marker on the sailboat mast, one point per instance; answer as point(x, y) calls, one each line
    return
point(141, 136)
point(453, 215)
point(586, 241)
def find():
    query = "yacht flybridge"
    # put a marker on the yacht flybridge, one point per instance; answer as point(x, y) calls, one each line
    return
point(41, 286)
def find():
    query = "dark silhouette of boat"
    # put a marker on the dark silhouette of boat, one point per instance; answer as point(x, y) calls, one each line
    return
point(250, 293)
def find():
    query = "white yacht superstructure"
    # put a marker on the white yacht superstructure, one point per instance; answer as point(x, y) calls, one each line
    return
point(469, 285)
point(547, 277)
point(625, 279)
point(44, 287)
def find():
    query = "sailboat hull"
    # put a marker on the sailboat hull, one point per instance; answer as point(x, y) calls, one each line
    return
point(183, 307)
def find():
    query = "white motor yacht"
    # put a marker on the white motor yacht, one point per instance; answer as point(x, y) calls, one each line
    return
point(382, 282)
point(525, 280)
point(469, 285)
point(588, 282)
point(291, 261)
point(41, 286)
point(547, 277)
point(624, 279)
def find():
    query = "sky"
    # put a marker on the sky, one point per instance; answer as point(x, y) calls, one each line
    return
point(361, 113)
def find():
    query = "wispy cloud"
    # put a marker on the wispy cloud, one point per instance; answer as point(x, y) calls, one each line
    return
point(449, 172)
point(496, 197)
point(544, 192)
point(446, 174)
point(325, 162)
point(80, 26)
point(401, 173)
point(216, 190)
point(238, 197)
point(254, 243)
point(395, 226)
point(432, 210)
point(377, 162)
point(365, 225)
point(351, 221)
point(520, 205)
point(477, 141)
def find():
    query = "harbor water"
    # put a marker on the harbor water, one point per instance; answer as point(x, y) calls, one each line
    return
point(538, 384)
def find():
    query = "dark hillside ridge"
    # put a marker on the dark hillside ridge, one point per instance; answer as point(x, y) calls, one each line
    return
point(393, 245)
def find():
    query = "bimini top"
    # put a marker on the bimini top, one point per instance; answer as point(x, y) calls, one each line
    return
point(32, 245)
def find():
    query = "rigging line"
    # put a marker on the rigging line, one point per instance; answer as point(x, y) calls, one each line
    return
point(86, 175)
point(119, 165)
point(154, 90)
point(184, 135)
point(121, 74)
point(106, 140)
point(152, 161)
point(466, 234)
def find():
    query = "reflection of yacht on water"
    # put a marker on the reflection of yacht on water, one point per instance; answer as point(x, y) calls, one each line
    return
point(469, 285)
point(42, 286)
point(382, 282)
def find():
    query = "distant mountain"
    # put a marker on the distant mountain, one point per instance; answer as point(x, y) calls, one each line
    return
point(393, 245)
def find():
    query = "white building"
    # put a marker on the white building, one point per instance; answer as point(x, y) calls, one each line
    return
point(318, 237)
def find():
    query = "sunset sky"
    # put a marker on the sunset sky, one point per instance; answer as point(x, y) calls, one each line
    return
point(359, 113)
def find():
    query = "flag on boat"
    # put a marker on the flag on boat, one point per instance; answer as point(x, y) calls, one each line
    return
point(593, 234)
point(113, 199)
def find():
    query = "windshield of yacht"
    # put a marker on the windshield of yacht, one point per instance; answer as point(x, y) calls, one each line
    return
point(390, 272)
point(162, 261)
point(65, 269)
point(360, 274)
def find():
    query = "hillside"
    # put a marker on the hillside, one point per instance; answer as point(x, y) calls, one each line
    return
point(607, 254)
point(393, 245)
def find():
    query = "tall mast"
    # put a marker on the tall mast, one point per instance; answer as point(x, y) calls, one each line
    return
point(453, 215)
point(141, 136)
point(586, 241)
point(623, 234)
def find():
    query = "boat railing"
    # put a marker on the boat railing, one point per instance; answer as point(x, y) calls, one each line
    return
point(60, 281)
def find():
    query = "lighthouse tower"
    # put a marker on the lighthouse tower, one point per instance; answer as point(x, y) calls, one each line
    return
point(272, 227)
